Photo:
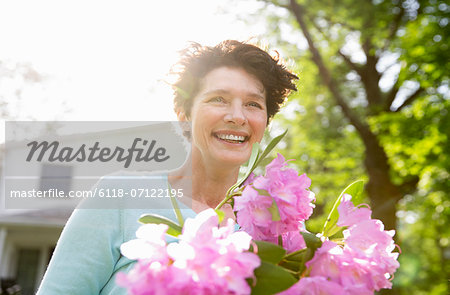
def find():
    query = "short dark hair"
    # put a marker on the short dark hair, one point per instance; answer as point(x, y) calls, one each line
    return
point(197, 61)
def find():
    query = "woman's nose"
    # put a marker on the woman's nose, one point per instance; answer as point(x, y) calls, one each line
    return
point(235, 114)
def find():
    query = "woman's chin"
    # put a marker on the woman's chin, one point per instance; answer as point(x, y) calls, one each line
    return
point(231, 159)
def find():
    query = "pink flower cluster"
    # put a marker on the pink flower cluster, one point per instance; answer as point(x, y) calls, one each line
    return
point(363, 265)
point(276, 204)
point(207, 259)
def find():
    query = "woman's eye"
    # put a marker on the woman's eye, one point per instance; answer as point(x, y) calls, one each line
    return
point(217, 99)
point(255, 104)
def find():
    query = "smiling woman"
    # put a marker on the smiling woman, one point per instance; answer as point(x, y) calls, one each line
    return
point(228, 115)
point(228, 93)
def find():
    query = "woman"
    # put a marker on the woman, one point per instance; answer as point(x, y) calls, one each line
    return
point(228, 93)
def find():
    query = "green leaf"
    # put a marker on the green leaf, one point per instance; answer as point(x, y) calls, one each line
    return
point(311, 241)
point(269, 252)
point(296, 260)
point(307, 256)
point(295, 256)
point(175, 207)
point(262, 192)
point(273, 209)
point(291, 265)
point(251, 165)
point(270, 147)
point(256, 158)
point(355, 190)
point(174, 229)
point(253, 162)
point(272, 279)
point(220, 214)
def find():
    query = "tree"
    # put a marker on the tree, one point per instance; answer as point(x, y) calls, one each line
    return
point(378, 63)
point(383, 30)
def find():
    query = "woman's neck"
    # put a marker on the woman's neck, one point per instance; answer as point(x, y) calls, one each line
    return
point(204, 185)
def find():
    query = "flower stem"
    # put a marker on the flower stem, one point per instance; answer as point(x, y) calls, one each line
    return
point(295, 273)
point(228, 197)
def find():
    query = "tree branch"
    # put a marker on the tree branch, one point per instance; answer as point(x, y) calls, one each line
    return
point(362, 70)
point(297, 10)
point(370, 76)
point(367, 47)
point(351, 64)
point(316, 26)
point(394, 26)
point(410, 185)
point(325, 17)
point(276, 3)
point(345, 25)
point(368, 73)
point(411, 98)
point(390, 97)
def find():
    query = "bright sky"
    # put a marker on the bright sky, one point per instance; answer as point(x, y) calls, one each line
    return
point(104, 59)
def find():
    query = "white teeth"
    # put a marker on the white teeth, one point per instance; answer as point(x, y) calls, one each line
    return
point(231, 137)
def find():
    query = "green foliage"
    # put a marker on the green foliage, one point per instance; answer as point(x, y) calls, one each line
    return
point(424, 46)
point(355, 190)
point(416, 141)
point(268, 252)
point(406, 107)
point(323, 144)
point(271, 279)
point(256, 158)
point(173, 230)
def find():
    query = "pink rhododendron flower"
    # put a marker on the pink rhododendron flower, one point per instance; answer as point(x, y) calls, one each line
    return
point(150, 243)
point(349, 214)
point(293, 241)
point(327, 261)
point(276, 203)
point(369, 237)
point(253, 213)
point(206, 260)
point(209, 259)
point(365, 261)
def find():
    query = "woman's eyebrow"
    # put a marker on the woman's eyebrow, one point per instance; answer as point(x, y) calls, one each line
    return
point(256, 96)
point(253, 95)
point(216, 91)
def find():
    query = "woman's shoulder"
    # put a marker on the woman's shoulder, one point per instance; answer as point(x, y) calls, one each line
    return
point(128, 190)
point(124, 177)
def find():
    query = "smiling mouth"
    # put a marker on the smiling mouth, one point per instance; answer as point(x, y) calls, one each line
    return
point(231, 138)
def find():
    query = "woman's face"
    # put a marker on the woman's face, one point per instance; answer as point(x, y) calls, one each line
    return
point(228, 115)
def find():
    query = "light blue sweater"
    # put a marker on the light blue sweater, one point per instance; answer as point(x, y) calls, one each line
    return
point(87, 256)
